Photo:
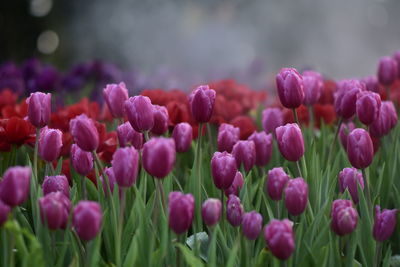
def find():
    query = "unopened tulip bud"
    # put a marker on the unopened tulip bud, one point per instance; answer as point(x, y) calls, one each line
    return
point(50, 143)
point(345, 130)
point(15, 186)
point(385, 223)
point(223, 168)
point(344, 217)
point(271, 119)
point(263, 146)
point(183, 135)
point(350, 178)
point(371, 84)
point(58, 183)
point(244, 153)
point(296, 196)
point(125, 163)
point(39, 109)
point(82, 161)
point(290, 141)
point(236, 186)
point(84, 132)
point(368, 106)
point(111, 180)
point(202, 103)
point(313, 83)
point(386, 120)
point(54, 210)
point(211, 211)
point(4, 211)
point(115, 96)
point(276, 182)
point(180, 211)
point(127, 135)
point(387, 71)
point(346, 97)
point(140, 113)
point(160, 120)
point(87, 219)
point(290, 87)
point(360, 149)
point(280, 238)
point(228, 135)
point(234, 210)
point(159, 156)
point(252, 224)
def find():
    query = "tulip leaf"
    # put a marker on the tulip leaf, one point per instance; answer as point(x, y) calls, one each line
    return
point(189, 257)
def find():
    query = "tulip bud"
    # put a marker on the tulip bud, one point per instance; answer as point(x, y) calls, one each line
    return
point(125, 163)
point(50, 143)
point(87, 219)
point(202, 103)
point(296, 196)
point(180, 211)
point(14, 188)
point(54, 210)
point(39, 109)
point(158, 157)
point(211, 211)
point(115, 96)
point(234, 210)
point(84, 132)
point(360, 149)
point(140, 113)
point(290, 141)
point(271, 119)
point(385, 223)
point(160, 120)
point(346, 97)
point(387, 71)
point(280, 238)
point(387, 120)
point(82, 161)
point(4, 211)
point(313, 83)
point(111, 180)
point(183, 135)
point(263, 146)
point(371, 84)
point(223, 168)
point(276, 182)
point(244, 153)
point(349, 178)
point(236, 186)
point(228, 135)
point(290, 87)
point(126, 134)
point(344, 217)
point(55, 184)
point(252, 224)
point(368, 105)
point(344, 131)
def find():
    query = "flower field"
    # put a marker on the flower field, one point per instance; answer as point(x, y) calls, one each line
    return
point(95, 173)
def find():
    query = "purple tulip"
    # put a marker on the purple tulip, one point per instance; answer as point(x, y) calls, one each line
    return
point(368, 105)
point(385, 223)
point(236, 186)
point(360, 149)
point(115, 96)
point(4, 211)
point(350, 178)
point(276, 182)
point(180, 211)
point(58, 183)
point(140, 113)
point(125, 163)
point(234, 210)
point(111, 180)
point(158, 157)
point(245, 153)
point(346, 97)
point(344, 131)
point(211, 211)
point(252, 224)
point(290, 87)
point(387, 71)
point(160, 120)
point(279, 237)
point(39, 109)
point(14, 187)
point(84, 132)
point(290, 141)
point(82, 161)
point(202, 103)
point(386, 120)
point(87, 219)
point(54, 210)
point(371, 84)
point(296, 196)
point(50, 143)
point(127, 135)
point(344, 217)
point(271, 119)
point(183, 135)
point(228, 135)
point(223, 168)
point(313, 84)
point(263, 145)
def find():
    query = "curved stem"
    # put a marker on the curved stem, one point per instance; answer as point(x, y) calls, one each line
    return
point(35, 155)
point(367, 191)
point(296, 119)
point(330, 151)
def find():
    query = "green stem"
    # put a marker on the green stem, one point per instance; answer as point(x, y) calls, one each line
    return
point(199, 178)
point(296, 119)
point(378, 254)
point(299, 169)
point(367, 191)
point(83, 187)
point(311, 118)
point(146, 136)
point(35, 155)
point(223, 211)
point(161, 192)
point(330, 151)
point(120, 226)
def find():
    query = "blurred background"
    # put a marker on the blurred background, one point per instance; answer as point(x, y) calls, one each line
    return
point(180, 43)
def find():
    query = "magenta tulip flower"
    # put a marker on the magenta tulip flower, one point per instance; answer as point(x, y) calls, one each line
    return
point(15, 185)
point(127, 135)
point(234, 210)
point(313, 84)
point(386, 120)
point(296, 196)
point(350, 178)
point(87, 219)
point(180, 211)
point(50, 143)
point(202, 103)
point(344, 217)
point(387, 71)
point(211, 211)
point(84, 133)
point(385, 223)
point(54, 210)
point(82, 161)
point(160, 120)
point(251, 225)
point(368, 105)
point(290, 87)
point(360, 149)
point(290, 141)
point(271, 119)
point(276, 182)
point(39, 109)
point(159, 156)
point(223, 168)
point(346, 97)
point(115, 96)
point(263, 146)
point(4, 212)
point(125, 164)
point(279, 237)
point(236, 186)
point(58, 183)
point(344, 131)
point(228, 135)
point(183, 136)
point(140, 113)
point(245, 153)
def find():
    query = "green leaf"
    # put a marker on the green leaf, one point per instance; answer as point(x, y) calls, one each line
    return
point(189, 257)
